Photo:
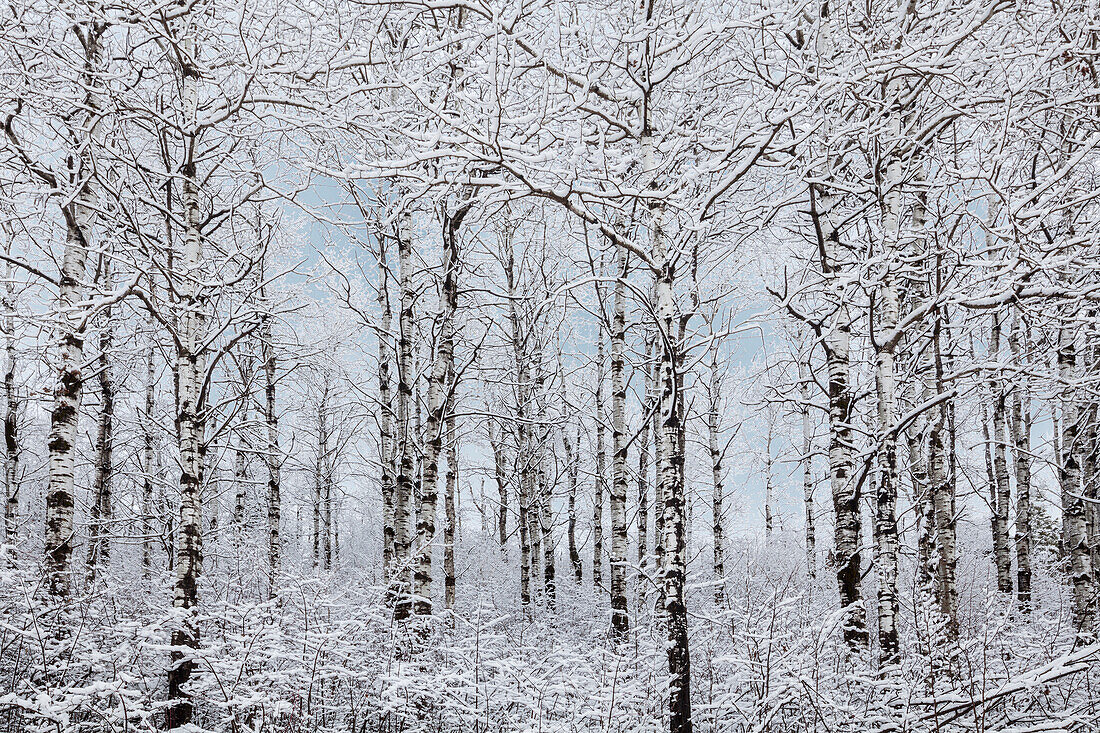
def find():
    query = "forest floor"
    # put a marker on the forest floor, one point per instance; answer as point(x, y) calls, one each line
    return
point(325, 655)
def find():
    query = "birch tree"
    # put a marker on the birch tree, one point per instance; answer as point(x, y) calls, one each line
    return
point(78, 200)
point(620, 621)
point(438, 401)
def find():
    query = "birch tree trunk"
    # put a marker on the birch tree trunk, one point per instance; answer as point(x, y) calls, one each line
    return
point(769, 489)
point(922, 495)
point(329, 528)
point(1089, 493)
point(536, 463)
point(601, 467)
point(402, 514)
point(1090, 447)
point(1021, 439)
point(450, 530)
point(620, 621)
point(658, 486)
point(11, 424)
point(643, 471)
point(244, 449)
point(572, 468)
point(320, 475)
point(923, 389)
point(168, 524)
point(943, 496)
point(1002, 496)
point(886, 530)
point(147, 463)
point(500, 461)
point(807, 470)
point(191, 409)
point(213, 475)
point(534, 512)
point(546, 530)
point(524, 452)
point(79, 215)
point(670, 467)
point(718, 530)
point(674, 566)
point(545, 488)
point(335, 526)
point(524, 524)
point(845, 492)
point(385, 415)
point(100, 514)
point(1074, 520)
point(438, 402)
point(681, 406)
point(272, 458)
point(887, 307)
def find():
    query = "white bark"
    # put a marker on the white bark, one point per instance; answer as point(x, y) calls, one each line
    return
point(671, 479)
point(322, 478)
point(572, 468)
point(769, 488)
point(1000, 497)
point(11, 423)
point(401, 581)
point(670, 470)
point(385, 412)
point(442, 366)
point(500, 461)
point(941, 476)
point(846, 498)
point(620, 622)
point(79, 215)
point(190, 411)
point(100, 511)
point(243, 450)
point(524, 453)
point(887, 307)
point(272, 459)
point(601, 464)
point(807, 470)
point(450, 530)
point(717, 516)
point(648, 403)
point(1074, 519)
point(148, 467)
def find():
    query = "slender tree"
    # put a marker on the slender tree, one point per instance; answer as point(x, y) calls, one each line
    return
point(620, 621)
point(807, 470)
point(601, 463)
point(438, 402)
point(101, 510)
point(1001, 496)
point(714, 400)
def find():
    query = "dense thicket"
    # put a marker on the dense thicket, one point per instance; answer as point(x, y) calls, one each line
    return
point(491, 365)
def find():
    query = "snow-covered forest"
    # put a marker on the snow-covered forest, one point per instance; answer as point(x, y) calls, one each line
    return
point(431, 366)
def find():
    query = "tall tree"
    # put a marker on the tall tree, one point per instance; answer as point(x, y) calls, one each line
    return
point(601, 461)
point(77, 188)
point(401, 585)
point(807, 468)
point(101, 510)
point(714, 401)
point(1000, 495)
point(12, 477)
point(191, 410)
point(1021, 439)
point(620, 620)
point(438, 402)
point(272, 457)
